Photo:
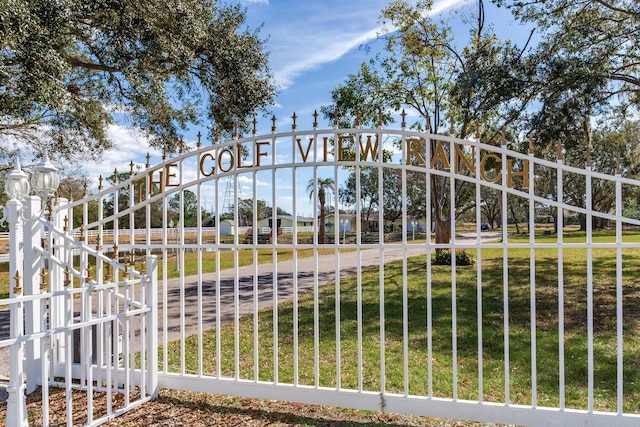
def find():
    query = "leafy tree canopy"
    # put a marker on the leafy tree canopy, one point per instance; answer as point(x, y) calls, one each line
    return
point(70, 68)
point(586, 61)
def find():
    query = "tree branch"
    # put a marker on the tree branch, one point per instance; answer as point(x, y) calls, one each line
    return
point(77, 62)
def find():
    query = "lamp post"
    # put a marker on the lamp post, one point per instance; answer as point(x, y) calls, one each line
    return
point(45, 182)
point(16, 185)
point(413, 229)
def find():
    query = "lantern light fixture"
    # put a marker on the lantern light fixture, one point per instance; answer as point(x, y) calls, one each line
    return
point(45, 179)
point(16, 183)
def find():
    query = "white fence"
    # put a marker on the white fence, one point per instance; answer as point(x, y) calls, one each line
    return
point(83, 334)
point(539, 330)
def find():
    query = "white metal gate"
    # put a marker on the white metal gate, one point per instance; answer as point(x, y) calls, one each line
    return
point(79, 323)
point(347, 307)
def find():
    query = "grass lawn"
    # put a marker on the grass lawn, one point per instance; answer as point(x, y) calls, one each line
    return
point(369, 345)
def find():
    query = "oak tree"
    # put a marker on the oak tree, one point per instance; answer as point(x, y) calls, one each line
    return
point(71, 68)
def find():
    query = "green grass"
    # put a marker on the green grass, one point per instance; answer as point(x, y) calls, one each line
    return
point(493, 349)
point(227, 260)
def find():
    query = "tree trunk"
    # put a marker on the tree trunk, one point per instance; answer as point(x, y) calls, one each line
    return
point(515, 219)
point(443, 225)
point(583, 221)
point(443, 230)
point(321, 227)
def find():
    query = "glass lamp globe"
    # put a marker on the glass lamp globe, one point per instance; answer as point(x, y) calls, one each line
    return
point(16, 183)
point(45, 179)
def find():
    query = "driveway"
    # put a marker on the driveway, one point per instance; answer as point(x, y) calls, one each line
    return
point(305, 271)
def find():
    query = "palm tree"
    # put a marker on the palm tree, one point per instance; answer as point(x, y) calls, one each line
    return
point(321, 185)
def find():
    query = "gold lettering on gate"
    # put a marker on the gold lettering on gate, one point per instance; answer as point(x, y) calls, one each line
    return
point(482, 168)
point(463, 158)
point(524, 173)
point(440, 156)
point(204, 157)
point(343, 149)
point(414, 150)
point(259, 152)
point(304, 154)
point(369, 149)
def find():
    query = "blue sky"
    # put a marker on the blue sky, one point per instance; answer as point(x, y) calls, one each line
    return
point(313, 46)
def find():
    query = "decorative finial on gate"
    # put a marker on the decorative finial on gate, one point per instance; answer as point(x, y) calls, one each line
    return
point(81, 232)
point(335, 118)
point(85, 191)
point(294, 126)
point(148, 164)
point(477, 136)
point(17, 289)
point(254, 131)
point(452, 130)
point(379, 121)
point(88, 278)
point(100, 187)
point(44, 282)
point(131, 166)
point(216, 135)
point(65, 228)
point(428, 118)
point(403, 124)
point(618, 166)
point(503, 137)
point(559, 154)
point(115, 252)
point(115, 176)
point(357, 122)
point(587, 156)
point(164, 153)
point(236, 135)
point(199, 143)
point(315, 119)
point(107, 270)
point(181, 146)
point(273, 123)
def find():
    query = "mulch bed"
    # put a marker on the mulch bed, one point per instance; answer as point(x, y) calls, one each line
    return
point(177, 409)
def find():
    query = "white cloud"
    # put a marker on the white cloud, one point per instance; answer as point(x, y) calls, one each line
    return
point(129, 145)
point(331, 50)
point(320, 42)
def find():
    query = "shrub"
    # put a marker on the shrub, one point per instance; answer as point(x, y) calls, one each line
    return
point(443, 257)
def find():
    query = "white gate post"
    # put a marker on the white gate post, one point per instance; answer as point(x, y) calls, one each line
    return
point(56, 280)
point(16, 403)
point(33, 313)
point(152, 326)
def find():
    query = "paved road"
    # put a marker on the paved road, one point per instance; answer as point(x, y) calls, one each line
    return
point(306, 269)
